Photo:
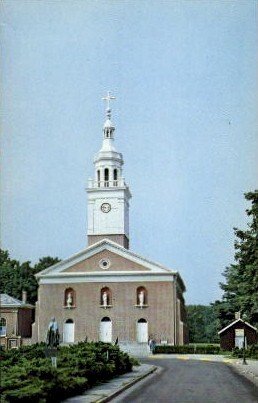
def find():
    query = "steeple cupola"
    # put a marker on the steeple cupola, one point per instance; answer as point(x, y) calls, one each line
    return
point(108, 128)
point(108, 194)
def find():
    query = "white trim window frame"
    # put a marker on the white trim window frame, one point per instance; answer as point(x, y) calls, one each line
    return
point(3, 327)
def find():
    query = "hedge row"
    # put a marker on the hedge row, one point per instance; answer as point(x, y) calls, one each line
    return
point(28, 376)
point(187, 349)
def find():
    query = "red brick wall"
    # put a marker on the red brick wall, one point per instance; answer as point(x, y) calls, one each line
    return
point(124, 315)
point(25, 320)
point(118, 263)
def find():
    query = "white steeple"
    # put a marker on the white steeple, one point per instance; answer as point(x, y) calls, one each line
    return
point(108, 194)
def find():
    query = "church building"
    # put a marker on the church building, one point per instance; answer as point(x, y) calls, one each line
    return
point(107, 292)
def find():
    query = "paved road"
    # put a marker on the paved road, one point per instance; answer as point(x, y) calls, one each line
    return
point(181, 381)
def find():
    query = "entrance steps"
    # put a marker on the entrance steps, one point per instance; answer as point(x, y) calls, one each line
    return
point(135, 349)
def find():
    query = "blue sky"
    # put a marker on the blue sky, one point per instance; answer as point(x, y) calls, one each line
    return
point(184, 74)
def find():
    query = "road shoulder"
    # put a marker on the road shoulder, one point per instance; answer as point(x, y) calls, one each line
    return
point(249, 371)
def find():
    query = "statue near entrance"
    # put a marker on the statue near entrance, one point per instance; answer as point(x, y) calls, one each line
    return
point(53, 334)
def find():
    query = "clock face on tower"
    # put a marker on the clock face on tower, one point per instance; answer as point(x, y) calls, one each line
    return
point(105, 207)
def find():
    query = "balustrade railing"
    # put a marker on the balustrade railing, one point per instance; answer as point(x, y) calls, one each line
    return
point(106, 184)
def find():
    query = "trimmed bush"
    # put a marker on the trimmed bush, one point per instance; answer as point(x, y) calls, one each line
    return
point(28, 376)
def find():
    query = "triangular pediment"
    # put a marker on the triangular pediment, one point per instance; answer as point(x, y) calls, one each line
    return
point(106, 260)
point(104, 257)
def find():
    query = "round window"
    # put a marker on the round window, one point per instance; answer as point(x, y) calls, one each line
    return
point(104, 263)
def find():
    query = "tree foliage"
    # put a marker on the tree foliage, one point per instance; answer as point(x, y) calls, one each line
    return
point(17, 277)
point(241, 278)
point(202, 323)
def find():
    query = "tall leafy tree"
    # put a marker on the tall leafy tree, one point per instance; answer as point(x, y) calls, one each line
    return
point(241, 278)
point(202, 324)
point(16, 276)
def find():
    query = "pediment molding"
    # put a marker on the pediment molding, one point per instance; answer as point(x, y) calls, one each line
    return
point(62, 268)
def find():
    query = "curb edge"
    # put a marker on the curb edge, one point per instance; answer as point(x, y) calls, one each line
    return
point(127, 386)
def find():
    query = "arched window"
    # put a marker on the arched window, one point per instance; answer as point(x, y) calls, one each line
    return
point(69, 321)
point(98, 177)
point(106, 132)
point(115, 176)
point(106, 176)
point(2, 327)
point(141, 296)
point(105, 297)
point(106, 319)
point(142, 320)
point(69, 298)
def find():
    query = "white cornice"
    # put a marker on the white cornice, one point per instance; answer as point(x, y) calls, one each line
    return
point(64, 278)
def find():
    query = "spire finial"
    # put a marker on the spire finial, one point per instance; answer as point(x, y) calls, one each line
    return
point(108, 98)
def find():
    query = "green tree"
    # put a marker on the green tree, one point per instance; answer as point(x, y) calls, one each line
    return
point(16, 276)
point(241, 285)
point(202, 323)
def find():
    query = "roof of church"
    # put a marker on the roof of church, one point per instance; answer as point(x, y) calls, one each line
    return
point(154, 268)
point(8, 301)
point(233, 323)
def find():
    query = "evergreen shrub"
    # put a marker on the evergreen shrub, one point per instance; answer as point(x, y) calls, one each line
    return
point(28, 376)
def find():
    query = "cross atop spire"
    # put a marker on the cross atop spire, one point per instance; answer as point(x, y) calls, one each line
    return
point(108, 98)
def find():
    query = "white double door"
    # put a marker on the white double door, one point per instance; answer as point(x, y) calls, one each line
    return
point(105, 333)
point(142, 332)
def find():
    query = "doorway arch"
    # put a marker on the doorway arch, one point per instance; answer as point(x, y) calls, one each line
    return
point(68, 334)
point(105, 331)
point(142, 331)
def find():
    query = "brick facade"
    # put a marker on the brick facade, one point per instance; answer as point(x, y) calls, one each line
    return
point(124, 314)
point(163, 309)
point(16, 321)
